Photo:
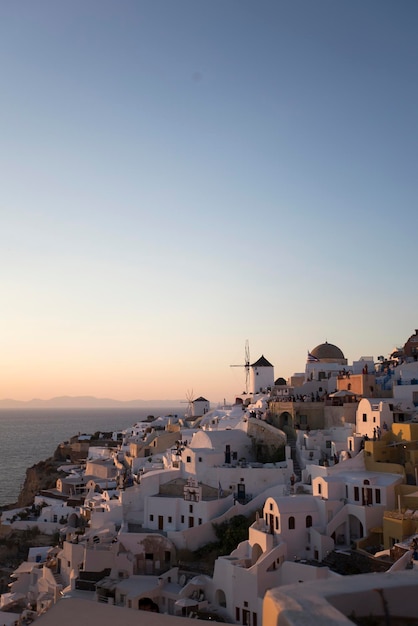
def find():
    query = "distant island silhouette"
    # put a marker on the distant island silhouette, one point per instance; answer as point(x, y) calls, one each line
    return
point(84, 402)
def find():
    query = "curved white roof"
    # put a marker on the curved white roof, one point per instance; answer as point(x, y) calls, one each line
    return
point(296, 504)
point(216, 439)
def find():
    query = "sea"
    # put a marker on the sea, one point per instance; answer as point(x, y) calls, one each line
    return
point(28, 436)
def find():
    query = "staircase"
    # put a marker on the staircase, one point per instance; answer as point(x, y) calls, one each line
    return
point(291, 441)
point(58, 579)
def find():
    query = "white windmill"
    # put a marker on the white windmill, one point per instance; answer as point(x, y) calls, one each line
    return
point(246, 365)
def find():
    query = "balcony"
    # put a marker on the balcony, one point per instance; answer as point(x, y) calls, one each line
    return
point(404, 381)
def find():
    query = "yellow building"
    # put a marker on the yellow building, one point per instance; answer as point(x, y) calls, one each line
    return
point(397, 452)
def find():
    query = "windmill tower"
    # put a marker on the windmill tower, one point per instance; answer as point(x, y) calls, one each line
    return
point(246, 365)
point(261, 376)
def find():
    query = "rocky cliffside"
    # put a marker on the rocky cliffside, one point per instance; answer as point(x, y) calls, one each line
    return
point(43, 475)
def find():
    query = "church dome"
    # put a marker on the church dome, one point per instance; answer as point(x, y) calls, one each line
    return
point(280, 381)
point(328, 352)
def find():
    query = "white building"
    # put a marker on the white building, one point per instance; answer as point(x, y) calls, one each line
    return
point(261, 376)
point(241, 579)
point(373, 414)
point(197, 504)
point(405, 385)
point(200, 406)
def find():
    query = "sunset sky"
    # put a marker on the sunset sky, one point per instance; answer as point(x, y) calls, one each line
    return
point(180, 176)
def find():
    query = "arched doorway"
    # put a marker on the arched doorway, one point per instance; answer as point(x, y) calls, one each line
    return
point(285, 419)
point(356, 528)
point(220, 597)
point(256, 553)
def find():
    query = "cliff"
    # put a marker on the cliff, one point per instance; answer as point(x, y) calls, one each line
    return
point(42, 475)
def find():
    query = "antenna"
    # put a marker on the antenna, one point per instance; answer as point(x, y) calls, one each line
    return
point(246, 365)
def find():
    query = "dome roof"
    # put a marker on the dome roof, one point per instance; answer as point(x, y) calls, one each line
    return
point(280, 381)
point(327, 351)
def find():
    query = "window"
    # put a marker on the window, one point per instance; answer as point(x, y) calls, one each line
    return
point(170, 519)
point(374, 420)
point(356, 494)
point(364, 417)
point(319, 488)
point(190, 508)
point(151, 518)
point(291, 523)
point(149, 556)
point(276, 520)
point(199, 521)
point(245, 603)
point(167, 556)
point(200, 459)
point(188, 459)
point(308, 521)
point(271, 506)
point(377, 496)
point(237, 614)
point(182, 519)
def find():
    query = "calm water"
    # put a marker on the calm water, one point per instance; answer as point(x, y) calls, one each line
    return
point(28, 436)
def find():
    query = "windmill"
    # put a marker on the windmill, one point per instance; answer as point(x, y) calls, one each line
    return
point(246, 365)
point(189, 401)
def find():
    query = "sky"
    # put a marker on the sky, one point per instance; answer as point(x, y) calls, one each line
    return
point(180, 177)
